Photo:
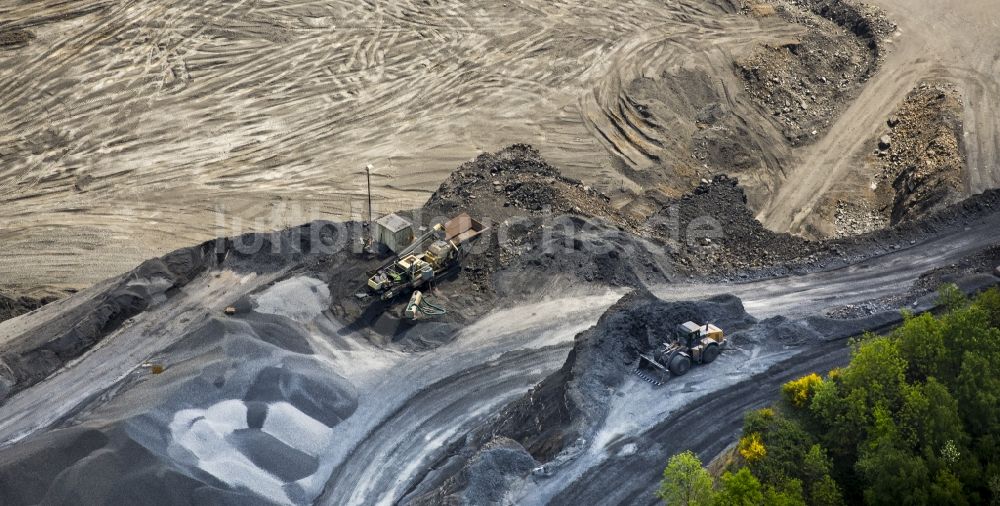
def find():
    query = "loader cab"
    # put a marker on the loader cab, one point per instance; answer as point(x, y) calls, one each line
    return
point(690, 333)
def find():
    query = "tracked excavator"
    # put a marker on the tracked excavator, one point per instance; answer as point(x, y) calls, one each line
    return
point(428, 257)
point(691, 344)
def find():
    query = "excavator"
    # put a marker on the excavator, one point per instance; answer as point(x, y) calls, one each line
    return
point(429, 256)
point(691, 343)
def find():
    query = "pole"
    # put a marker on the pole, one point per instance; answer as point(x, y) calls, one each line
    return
point(368, 175)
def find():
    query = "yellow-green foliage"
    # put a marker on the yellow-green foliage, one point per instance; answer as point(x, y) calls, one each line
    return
point(799, 392)
point(752, 447)
point(835, 374)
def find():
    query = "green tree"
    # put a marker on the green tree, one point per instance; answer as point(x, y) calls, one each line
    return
point(989, 301)
point(816, 464)
point(966, 330)
point(685, 482)
point(978, 393)
point(842, 421)
point(825, 492)
point(921, 344)
point(739, 489)
point(816, 468)
point(788, 493)
point(758, 420)
point(892, 473)
point(786, 443)
point(929, 417)
point(913, 420)
point(947, 490)
point(994, 484)
point(878, 369)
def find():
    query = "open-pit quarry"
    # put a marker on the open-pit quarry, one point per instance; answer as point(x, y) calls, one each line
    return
point(186, 315)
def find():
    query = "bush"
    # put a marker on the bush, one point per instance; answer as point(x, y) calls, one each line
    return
point(799, 392)
point(740, 489)
point(752, 448)
point(685, 482)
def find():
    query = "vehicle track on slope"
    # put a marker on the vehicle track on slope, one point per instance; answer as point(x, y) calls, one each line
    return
point(387, 460)
point(139, 126)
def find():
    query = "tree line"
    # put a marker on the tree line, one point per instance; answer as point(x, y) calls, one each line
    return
point(914, 419)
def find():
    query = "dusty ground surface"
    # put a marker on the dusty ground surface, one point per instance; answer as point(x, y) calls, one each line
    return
point(131, 129)
point(297, 399)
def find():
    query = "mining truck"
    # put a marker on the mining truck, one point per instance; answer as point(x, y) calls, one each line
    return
point(429, 256)
point(690, 344)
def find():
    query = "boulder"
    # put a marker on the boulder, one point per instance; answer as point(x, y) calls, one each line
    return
point(884, 142)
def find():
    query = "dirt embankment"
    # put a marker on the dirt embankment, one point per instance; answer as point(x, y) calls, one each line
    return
point(564, 229)
point(518, 194)
point(559, 415)
point(917, 164)
point(711, 230)
point(16, 306)
point(46, 348)
point(710, 233)
point(33, 358)
point(546, 225)
point(517, 182)
point(804, 83)
point(693, 129)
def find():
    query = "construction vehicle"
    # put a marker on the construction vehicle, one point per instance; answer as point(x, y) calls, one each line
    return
point(691, 344)
point(429, 256)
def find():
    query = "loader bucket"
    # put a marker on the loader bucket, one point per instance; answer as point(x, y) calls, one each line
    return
point(651, 371)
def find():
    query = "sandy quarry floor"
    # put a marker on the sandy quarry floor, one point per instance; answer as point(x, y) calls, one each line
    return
point(132, 128)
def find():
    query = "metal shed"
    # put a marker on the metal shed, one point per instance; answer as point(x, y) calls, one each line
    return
point(394, 232)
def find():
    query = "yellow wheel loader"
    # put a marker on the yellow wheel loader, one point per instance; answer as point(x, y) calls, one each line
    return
point(691, 344)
